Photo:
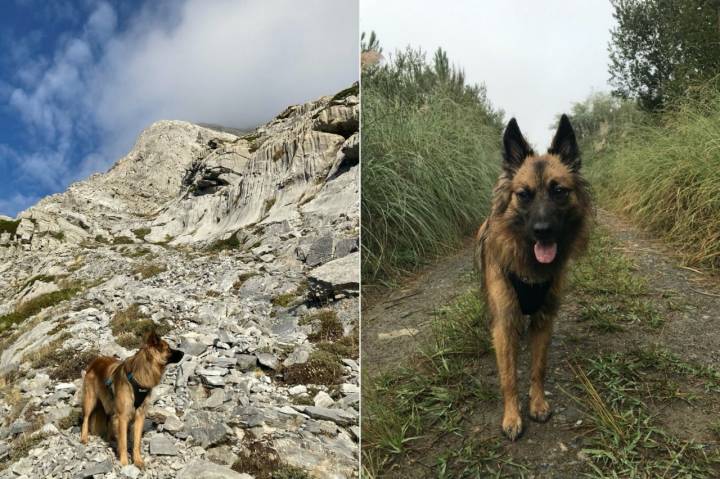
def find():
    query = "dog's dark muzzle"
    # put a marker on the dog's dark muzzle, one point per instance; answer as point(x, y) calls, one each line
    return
point(176, 356)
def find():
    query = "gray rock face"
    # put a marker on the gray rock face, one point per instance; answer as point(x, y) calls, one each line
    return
point(340, 276)
point(141, 243)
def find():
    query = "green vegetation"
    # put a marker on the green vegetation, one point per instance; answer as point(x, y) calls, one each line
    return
point(615, 392)
point(430, 158)
point(326, 326)
point(122, 240)
point(407, 408)
point(322, 367)
point(661, 171)
point(68, 364)
point(32, 307)
point(659, 48)
point(231, 242)
point(148, 270)
point(262, 461)
point(141, 233)
point(609, 292)
point(9, 226)
point(130, 326)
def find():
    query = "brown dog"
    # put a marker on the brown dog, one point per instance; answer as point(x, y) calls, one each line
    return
point(122, 389)
point(540, 218)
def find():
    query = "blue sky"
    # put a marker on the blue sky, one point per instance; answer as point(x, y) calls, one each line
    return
point(80, 79)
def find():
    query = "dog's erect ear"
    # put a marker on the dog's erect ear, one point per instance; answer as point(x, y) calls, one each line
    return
point(564, 144)
point(152, 339)
point(516, 148)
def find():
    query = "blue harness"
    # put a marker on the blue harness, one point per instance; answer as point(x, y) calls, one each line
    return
point(139, 392)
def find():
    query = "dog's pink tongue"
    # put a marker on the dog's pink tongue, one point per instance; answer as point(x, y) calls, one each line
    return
point(545, 253)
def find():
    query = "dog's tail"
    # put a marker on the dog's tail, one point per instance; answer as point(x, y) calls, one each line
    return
point(99, 422)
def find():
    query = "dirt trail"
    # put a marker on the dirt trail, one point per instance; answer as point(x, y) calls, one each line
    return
point(395, 321)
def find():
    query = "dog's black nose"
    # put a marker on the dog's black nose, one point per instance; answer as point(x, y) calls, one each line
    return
point(176, 356)
point(542, 230)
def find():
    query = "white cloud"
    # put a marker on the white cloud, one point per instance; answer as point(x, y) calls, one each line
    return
point(230, 62)
point(535, 57)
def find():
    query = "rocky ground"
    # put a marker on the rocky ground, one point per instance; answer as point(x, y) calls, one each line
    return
point(242, 251)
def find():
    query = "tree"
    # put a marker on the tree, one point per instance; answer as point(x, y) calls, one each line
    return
point(659, 48)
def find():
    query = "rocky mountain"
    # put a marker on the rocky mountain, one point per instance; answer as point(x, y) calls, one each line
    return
point(243, 252)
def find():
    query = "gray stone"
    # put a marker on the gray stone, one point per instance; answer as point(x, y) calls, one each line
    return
point(345, 246)
point(338, 276)
point(323, 400)
point(297, 390)
point(92, 469)
point(131, 471)
point(300, 355)
point(246, 361)
point(207, 470)
point(338, 416)
point(162, 446)
point(191, 347)
point(216, 399)
point(222, 455)
point(321, 251)
point(205, 428)
point(269, 361)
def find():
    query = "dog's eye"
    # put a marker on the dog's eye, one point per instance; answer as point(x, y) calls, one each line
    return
point(524, 195)
point(559, 191)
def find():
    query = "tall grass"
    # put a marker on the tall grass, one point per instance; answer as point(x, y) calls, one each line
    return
point(663, 172)
point(430, 158)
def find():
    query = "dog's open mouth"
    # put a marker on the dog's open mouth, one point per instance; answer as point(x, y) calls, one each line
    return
point(545, 252)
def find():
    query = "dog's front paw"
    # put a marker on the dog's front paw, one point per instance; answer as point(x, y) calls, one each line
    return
point(512, 426)
point(540, 410)
point(139, 463)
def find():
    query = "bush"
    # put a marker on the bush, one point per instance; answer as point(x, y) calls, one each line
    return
point(663, 172)
point(430, 159)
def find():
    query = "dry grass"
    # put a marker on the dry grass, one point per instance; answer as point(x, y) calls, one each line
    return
point(130, 326)
point(148, 270)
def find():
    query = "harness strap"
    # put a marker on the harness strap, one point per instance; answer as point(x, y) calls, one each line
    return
point(531, 296)
point(139, 393)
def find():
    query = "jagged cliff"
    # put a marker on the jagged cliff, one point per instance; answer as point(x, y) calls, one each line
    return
point(242, 250)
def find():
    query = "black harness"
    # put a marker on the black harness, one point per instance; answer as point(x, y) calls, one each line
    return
point(139, 393)
point(531, 296)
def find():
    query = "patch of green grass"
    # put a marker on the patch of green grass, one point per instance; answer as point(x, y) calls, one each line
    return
point(71, 420)
point(136, 253)
point(626, 439)
point(58, 235)
point(344, 347)
point(262, 461)
point(32, 307)
point(287, 299)
point(353, 90)
point(610, 292)
point(269, 203)
point(409, 407)
point(430, 159)
point(101, 239)
point(148, 270)
point(9, 226)
point(141, 233)
point(661, 171)
point(326, 326)
point(229, 243)
point(122, 240)
point(322, 367)
point(45, 278)
point(130, 326)
point(68, 364)
point(41, 357)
